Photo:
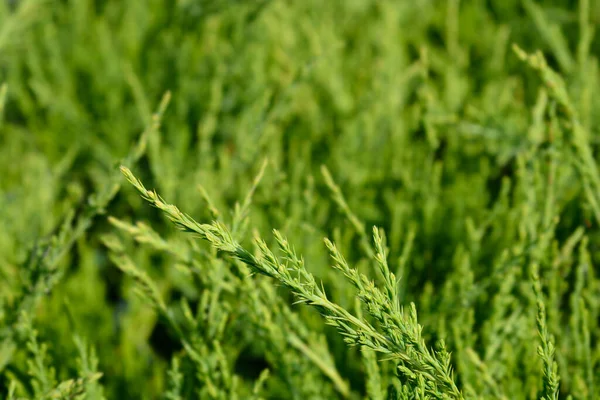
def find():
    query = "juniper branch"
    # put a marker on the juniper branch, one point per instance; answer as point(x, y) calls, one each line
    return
point(546, 348)
point(401, 339)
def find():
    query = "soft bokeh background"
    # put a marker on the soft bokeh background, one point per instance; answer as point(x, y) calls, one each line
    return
point(427, 120)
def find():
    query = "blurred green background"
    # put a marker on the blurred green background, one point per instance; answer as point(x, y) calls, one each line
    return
point(425, 117)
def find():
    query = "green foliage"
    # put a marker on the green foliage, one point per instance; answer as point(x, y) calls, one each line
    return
point(464, 132)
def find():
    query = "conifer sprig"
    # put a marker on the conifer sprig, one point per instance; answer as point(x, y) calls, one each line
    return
point(401, 339)
point(546, 349)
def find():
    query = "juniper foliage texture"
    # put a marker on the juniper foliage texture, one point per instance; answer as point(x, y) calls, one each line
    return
point(379, 199)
